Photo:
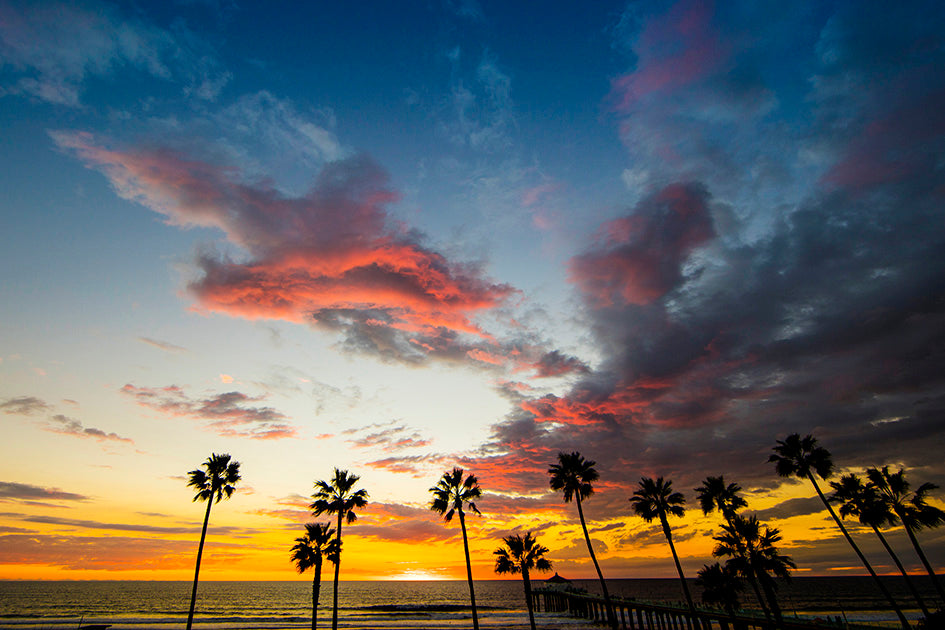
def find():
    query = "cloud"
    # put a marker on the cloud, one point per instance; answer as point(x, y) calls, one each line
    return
point(332, 258)
point(229, 414)
point(130, 527)
point(390, 437)
point(401, 523)
point(13, 491)
point(54, 48)
point(792, 507)
point(65, 425)
point(162, 345)
point(105, 553)
point(761, 284)
point(24, 405)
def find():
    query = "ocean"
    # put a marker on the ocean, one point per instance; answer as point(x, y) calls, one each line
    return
point(137, 605)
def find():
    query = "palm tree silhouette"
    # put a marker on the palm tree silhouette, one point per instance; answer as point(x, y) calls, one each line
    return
point(449, 496)
point(863, 501)
point(574, 477)
point(801, 457)
point(656, 499)
point(216, 480)
point(521, 555)
point(309, 551)
point(912, 510)
point(715, 494)
point(338, 497)
point(752, 552)
point(720, 587)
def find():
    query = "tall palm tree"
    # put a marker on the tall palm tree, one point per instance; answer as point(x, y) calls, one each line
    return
point(309, 551)
point(720, 587)
point(912, 510)
point(574, 476)
point(450, 494)
point(715, 494)
point(656, 499)
point(752, 552)
point(801, 457)
point(521, 555)
point(338, 496)
point(215, 481)
point(863, 502)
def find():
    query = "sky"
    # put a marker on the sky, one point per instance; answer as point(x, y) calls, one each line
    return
point(395, 238)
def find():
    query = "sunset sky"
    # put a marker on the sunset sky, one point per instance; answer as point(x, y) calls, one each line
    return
point(395, 237)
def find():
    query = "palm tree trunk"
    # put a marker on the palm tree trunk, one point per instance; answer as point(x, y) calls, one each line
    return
point(203, 537)
point(753, 580)
point(766, 584)
point(316, 588)
point(528, 597)
point(334, 600)
point(925, 561)
point(902, 569)
point(902, 618)
point(682, 578)
point(472, 592)
point(611, 617)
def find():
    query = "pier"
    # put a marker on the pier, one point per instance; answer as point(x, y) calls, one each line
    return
point(634, 615)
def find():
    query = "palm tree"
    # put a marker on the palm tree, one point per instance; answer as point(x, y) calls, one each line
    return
point(656, 499)
point(911, 509)
point(338, 497)
point(574, 477)
point(752, 552)
point(449, 496)
point(520, 555)
point(720, 587)
point(309, 551)
point(863, 502)
point(801, 457)
point(714, 494)
point(217, 480)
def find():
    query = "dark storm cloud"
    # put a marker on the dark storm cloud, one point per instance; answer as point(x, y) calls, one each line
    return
point(791, 282)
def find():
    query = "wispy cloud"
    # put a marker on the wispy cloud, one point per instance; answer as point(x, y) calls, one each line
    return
point(65, 425)
point(162, 345)
point(24, 492)
point(230, 413)
point(389, 437)
point(24, 405)
point(53, 48)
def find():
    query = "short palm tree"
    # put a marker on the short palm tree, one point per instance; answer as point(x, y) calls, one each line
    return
point(216, 480)
point(450, 494)
point(521, 555)
point(338, 496)
point(752, 552)
point(574, 476)
point(720, 587)
point(309, 551)
point(863, 502)
point(912, 510)
point(656, 499)
point(715, 494)
point(801, 457)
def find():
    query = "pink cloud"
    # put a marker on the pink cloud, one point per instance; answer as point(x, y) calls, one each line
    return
point(332, 257)
point(674, 51)
point(639, 258)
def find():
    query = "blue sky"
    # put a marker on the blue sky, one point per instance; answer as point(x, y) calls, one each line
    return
point(403, 236)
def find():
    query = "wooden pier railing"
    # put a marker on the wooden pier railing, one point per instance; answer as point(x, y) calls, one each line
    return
point(633, 615)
